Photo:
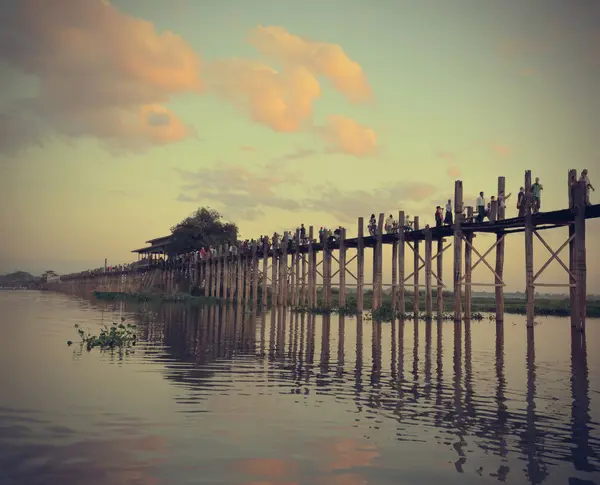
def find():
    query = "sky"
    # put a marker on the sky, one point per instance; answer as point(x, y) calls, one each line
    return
point(118, 119)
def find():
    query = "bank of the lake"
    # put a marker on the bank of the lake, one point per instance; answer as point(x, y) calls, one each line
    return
point(544, 306)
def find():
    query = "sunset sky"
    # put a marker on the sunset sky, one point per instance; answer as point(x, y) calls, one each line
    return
point(118, 119)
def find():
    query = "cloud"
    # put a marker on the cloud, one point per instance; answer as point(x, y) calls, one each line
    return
point(298, 154)
point(445, 155)
point(241, 193)
point(345, 135)
point(348, 205)
point(101, 73)
point(248, 148)
point(244, 194)
point(280, 100)
point(502, 150)
point(320, 58)
point(454, 172)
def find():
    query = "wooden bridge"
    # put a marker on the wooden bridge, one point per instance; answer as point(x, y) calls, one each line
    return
point(293, 269)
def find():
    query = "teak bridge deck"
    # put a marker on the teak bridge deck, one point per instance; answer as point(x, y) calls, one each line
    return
point(237, 277)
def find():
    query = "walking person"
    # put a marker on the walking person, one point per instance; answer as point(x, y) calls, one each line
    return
point(448, 218)
point(536, 192)
point(588, 185)
point(521, 202)
point(438, 216)
point(480, 203)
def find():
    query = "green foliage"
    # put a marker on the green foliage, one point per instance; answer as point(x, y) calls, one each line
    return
point(118, 336)
point(204, 227)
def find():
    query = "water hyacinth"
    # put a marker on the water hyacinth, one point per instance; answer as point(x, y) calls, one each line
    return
point(120, 336)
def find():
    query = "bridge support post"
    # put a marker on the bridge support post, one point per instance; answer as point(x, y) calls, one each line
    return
point(226, 271)
point(304, 277)
point(395, 273)
point(239, 277)
point(401, 255)
point(529, 288)
point(580, 256)
point(311, 264)
point(499, 277)
point(265, 276)
point(458, 217)
point(428, 292)
point(326, 272)
point(572, 180)
point(377, 266)
point(417, 264)
point(283, 270)
point(254, 275)
point(468, 270)
point(274, 260)
point(440, 277)
point(360, 268)
point(342, 269)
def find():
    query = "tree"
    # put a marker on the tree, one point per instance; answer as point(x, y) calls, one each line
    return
point(48, 274)
point(203, 228)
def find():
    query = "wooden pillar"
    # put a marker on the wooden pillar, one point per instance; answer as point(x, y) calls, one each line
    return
point(360, 268)
point(315, 279)
point(529, 288)
point(304, 276)
point(401, 253)
point(218, 271)
point(579, 197)
point(342, 272)
point(572, 288)
point(493, 215)
point(378, 265)
point(326, 272)
point(274, 259)
point(295, 266)
point(428, 255)
point(440, 275)
point(265, 282)
point(417, 263)
point(468, 271)
point(225, 271)
point(458, 213)
point(297, 269)
point(239, 277)
point(283, 270)
point(395, 274)
point(254, 274)
point(311, 263)
point(499, 288)
point(247, 276)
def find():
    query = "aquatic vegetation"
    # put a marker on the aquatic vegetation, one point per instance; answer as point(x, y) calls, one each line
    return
point(119, 336)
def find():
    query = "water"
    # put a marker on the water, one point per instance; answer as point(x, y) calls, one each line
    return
point(212, 396)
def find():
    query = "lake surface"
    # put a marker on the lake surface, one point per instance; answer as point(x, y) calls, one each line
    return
point(216, 396)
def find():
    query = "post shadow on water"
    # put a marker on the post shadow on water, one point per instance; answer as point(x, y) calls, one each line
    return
point(223, 333)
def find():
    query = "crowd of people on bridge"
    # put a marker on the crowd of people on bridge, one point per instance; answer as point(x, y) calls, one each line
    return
point(443, 216)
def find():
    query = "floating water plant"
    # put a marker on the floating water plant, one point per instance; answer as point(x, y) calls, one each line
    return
point(120, 336)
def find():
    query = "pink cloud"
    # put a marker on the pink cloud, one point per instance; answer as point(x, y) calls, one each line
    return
point(502, 150)
point(101, 72)
point(454, 172)
point(348, 136)
point(248, 148)
point(320, 58)
point(446, 155)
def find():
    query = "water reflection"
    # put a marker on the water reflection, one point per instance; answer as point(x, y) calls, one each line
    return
point(436, 397)
point(467, 417)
